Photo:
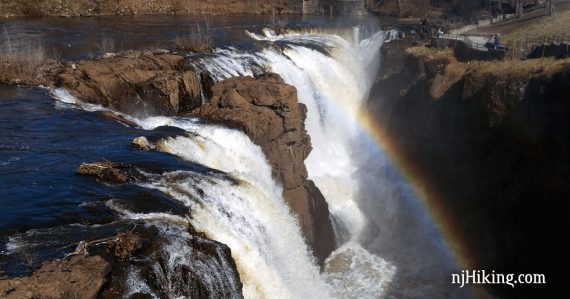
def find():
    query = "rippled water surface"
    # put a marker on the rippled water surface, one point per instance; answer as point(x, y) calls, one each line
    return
point(79, 38)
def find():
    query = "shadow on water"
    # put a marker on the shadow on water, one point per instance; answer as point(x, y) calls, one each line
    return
point(400, 230)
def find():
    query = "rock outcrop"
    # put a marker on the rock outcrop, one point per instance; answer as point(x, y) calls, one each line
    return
point(136, 83)
point(100, 269)
point(109, 172)
point(141, 143)
point(77, 277)
point(145, 252)
point(162, 83)
point(268, 111)
point(490, 141)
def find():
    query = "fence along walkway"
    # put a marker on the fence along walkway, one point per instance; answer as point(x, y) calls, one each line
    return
point(518, 49)
point(476, 42)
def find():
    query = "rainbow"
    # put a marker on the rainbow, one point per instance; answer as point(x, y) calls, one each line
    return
point(429, 197)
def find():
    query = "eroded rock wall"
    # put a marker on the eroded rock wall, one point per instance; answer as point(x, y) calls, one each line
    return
point(491, 139)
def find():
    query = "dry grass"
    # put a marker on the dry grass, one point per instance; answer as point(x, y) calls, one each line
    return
point(198, 40)
point(430, 53)
point(443, 82)
point(416, 8)
point(454, 70)
point(404, 8)
point(558, 24)
point(20, 57)
point(527, 68)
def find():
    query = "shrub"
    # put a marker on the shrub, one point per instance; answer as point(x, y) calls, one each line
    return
point(20, 57)
point(198, 40)
point(107, 45)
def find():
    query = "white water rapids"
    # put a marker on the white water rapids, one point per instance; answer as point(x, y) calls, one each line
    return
point(245, 208)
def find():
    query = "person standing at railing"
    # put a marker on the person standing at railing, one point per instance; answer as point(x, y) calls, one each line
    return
point(497, 41)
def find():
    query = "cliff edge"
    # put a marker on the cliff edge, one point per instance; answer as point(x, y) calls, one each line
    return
point(493, 145)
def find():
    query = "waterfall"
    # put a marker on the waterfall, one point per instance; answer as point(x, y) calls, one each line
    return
point(394, 244)
point(240, 205)
point(243, 209)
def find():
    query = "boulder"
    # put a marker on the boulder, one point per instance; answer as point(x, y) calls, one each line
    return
point(125, 244)
point(141, 143)
point(109, 172)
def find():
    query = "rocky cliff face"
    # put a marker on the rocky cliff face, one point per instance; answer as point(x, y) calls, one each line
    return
point(490, 138)
point(265, 108)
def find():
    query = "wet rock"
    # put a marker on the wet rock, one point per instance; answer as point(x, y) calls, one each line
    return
point(125, 244)
point(141, 143)
point(118, 118)
point(109, 172)
point(268, 111)
point(265, 108)
point(220, 278)
point(78, 277)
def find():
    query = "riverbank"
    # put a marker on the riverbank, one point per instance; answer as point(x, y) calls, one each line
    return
point(63, 8)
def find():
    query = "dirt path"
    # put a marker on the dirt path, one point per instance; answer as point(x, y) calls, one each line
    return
point(534, 25)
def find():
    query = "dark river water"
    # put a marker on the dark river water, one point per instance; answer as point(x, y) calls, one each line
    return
point(42, 144)
point(80, 38)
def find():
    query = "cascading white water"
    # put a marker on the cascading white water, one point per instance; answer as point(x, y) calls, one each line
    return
point(333, 74)
point(243, 207)
point(333, 87)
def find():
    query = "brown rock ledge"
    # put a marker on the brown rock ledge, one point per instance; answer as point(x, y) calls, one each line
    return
point(78, 277)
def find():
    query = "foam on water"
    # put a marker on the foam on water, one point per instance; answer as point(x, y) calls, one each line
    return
point(246, 212)
point(355, 273)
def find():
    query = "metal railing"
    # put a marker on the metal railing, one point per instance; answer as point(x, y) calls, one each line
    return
point(520, 49)
point(517, 49)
